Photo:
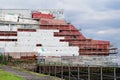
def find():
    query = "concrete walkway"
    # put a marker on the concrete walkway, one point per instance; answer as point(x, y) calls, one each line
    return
point(26, 75)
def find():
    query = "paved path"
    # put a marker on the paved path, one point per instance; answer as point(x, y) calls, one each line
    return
point(26, 75)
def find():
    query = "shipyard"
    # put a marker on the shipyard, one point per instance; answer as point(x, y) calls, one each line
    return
point(59, 40)
point(40, 33)
point(43, 41)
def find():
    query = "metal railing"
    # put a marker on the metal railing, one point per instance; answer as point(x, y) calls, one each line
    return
point(80, 72)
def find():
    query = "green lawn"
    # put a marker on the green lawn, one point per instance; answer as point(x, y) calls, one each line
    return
point(8, 76)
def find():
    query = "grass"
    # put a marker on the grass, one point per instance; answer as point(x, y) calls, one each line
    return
point(8, 76)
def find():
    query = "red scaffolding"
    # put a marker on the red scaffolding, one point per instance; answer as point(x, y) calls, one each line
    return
point(73, 35)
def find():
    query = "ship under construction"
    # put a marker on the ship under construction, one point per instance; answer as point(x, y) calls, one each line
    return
point(25, 32)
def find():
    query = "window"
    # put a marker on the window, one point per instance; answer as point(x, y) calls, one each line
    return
point(38, 44)
point(74, 36)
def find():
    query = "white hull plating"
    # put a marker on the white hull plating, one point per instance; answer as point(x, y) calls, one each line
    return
point(27, 41)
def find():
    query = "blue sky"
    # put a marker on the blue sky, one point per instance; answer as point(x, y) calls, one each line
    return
point(98, 19)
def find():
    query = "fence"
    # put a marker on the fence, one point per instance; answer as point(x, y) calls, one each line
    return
point(80, 72)
point(73, 68)
point(67, 69)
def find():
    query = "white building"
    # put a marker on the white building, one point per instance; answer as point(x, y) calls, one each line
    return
point(20, 35)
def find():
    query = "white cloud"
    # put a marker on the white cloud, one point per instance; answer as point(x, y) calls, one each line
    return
point(108, 32)
point(80, 9)
point(103, 32)
point(104, 15)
